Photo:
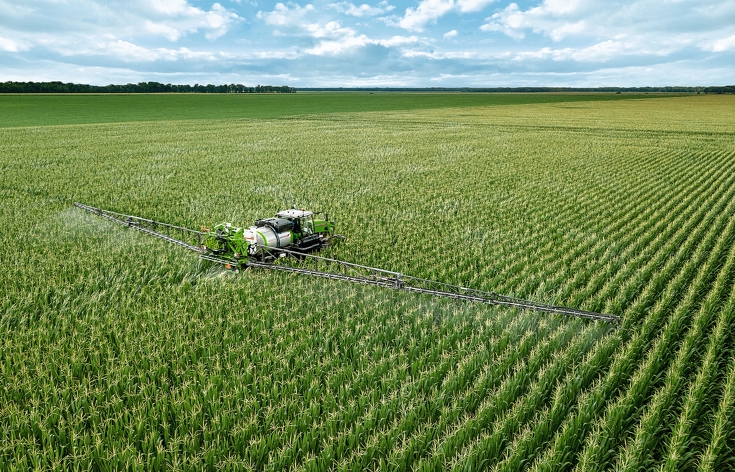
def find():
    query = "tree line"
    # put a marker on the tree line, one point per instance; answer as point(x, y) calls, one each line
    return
point(141, 87)
point(157, 87)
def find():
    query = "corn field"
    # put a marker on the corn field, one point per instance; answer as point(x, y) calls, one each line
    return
point(118, 351)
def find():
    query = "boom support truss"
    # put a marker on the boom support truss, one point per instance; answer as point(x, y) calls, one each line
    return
point(335, 269)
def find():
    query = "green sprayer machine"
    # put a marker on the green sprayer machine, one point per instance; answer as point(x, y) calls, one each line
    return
point(287, 242)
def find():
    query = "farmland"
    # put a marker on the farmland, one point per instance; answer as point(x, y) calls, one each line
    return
point(61, 109)
point(121, 351)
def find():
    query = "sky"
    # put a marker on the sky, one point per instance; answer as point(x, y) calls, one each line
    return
point(382, 43)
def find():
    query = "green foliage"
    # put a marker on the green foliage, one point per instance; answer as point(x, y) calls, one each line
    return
point(119, 351)
point(141, 87)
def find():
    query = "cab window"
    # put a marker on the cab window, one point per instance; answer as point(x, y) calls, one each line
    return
point(307, 225)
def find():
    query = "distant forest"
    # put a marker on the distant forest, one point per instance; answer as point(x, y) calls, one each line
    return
point(142, 87)
point(157, 87)
point(714, 89)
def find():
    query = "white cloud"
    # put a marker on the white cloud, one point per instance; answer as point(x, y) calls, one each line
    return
point(172, 34)
point(567, 29)
point(176, 18)
point(171, 7)
point(11, 45)
point(348, 43)
point(652, 22)
point(186, 53)
point(600, 52)
point(129, 52)
point(724, 44)
point(331, 30)
point(362, 10)
point(59, 21)
point(543, 53)
point(466, 6)
point(396, 41)
point(453, 55)
point(337, 47)
point(126, 51)
point(510, 21)
point(335, 39)
point(429, 11)
point(285, 15)
point(450, 34)
point(331, 38)
point(557, 7)
point(555, 18)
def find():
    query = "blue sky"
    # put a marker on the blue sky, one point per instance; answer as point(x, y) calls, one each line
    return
point(385, 43)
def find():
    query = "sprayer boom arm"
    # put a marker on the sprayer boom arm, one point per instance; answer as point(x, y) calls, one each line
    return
point(309, 264)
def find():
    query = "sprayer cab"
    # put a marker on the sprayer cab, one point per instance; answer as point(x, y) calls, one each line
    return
point(306, 223)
